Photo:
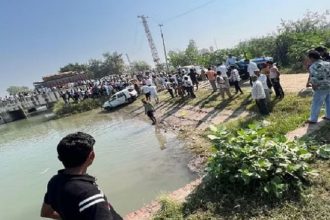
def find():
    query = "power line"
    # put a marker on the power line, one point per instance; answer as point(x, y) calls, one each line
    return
point(188, 12)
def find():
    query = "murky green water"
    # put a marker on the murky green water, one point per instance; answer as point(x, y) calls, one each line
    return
point(134, 162)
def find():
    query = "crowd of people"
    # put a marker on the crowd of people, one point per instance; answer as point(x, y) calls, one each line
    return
point(73, 194)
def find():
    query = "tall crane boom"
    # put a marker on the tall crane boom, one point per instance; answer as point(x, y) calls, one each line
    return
point(129, 61)
point(150, 40)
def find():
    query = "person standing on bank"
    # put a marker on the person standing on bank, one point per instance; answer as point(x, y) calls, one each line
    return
point(319, 80)
point(263, 79)
point(258, 94)
point(252, 69)
point(193, 76)
point(211, 76)
point(223, 85)
point(72, 194)
point(235, 79)
point(169, 86)
point(149, 110)
point(274, 76)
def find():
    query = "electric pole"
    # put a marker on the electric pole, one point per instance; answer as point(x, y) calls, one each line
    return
point(161, 33)
point(150, 40)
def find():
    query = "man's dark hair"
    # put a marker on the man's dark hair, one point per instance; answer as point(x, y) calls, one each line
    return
point(73, 150)
point(270, 62)
point(313, 54)
point(321, 49)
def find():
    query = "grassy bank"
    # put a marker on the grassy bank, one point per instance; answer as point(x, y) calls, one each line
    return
point(64, 109)
point(213, 201)
point(286, 115)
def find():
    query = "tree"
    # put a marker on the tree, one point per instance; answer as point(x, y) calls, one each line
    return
point(183, 58)
point(75, 67)
point(177, 58)
point(192, 52)
point(140, 66)
point(13, 90)
point(113, 64)
point(95, 68)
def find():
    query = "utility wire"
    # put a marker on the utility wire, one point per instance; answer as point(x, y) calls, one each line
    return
point(188, 12)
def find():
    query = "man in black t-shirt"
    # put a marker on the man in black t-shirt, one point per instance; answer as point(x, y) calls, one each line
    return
point(72, 194)
point(193, 76)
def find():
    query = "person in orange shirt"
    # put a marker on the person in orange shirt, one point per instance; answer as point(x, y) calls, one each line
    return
point(211, 76)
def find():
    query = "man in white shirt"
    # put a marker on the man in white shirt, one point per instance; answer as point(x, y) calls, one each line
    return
point(252, 69)
point(146, 92)
point(263, 79)
point(230, 60)
point(189, 86)
point(258, 94)
point(223, 70)
point(153, 93)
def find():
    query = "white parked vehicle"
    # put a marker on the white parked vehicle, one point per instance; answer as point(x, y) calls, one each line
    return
point(125, 96)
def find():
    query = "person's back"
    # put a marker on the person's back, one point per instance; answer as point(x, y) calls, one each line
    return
point(72, 194)
point(153, 90)
point(192, 74)
point(320, 75)
point(258, 90)
point(211, 74)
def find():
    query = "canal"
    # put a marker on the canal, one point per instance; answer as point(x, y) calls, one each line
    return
point(134, 161)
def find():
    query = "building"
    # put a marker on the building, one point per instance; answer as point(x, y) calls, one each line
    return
point(60, 79)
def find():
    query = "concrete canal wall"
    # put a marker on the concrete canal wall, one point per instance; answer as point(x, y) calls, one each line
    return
point(21, 108)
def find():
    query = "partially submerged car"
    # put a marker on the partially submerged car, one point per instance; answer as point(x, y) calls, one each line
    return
point(122, 97)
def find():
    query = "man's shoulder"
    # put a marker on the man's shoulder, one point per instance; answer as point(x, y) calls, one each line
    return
point(72, 183)
point(320, 65)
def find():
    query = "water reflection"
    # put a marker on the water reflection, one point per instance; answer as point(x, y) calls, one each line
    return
point(134, 161)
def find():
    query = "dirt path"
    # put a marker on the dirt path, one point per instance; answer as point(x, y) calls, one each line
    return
point(294, 82)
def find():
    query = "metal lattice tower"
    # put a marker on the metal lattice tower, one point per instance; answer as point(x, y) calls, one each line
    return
point(129, 61)
point(150, 40)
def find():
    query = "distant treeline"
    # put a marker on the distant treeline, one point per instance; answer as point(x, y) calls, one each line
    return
point(288, 45)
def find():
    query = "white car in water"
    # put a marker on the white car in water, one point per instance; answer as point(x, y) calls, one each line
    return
point(122, 97)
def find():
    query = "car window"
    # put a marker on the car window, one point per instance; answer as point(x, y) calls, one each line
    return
point(113, 98)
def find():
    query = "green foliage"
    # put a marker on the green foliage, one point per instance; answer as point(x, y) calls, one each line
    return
point(319, 142)
point(75, 67)
point(62, 109)
point(288, 45)
point(112, 63)
point(13, 90)
point(249, 161)
point(140, 66)
point(169, 210)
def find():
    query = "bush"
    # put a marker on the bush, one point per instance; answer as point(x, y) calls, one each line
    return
point(60, 108)
point(248, 161)
point(169, 209)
